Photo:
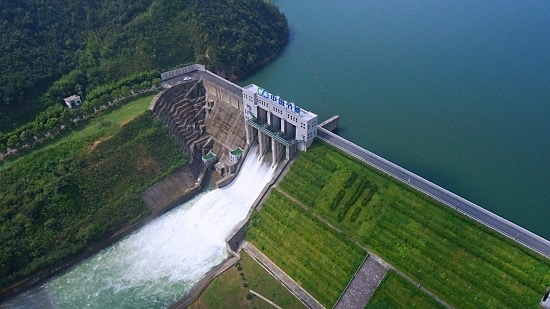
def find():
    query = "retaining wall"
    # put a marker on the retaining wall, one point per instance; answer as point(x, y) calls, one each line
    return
point(182, 109)
point(175, 189)
point(180, 71)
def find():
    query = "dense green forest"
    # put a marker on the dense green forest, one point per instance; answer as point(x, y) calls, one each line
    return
point(52, 49)
point(56, 202)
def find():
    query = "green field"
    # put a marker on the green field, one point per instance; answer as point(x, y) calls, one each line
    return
point(80, 189)
point(230, 289)
point(318, 259)
point(396, 292)
point(101, 125)
point(464, 263)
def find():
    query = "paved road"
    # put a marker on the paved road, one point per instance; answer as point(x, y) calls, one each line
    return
point(235, 89)
point(452, 200)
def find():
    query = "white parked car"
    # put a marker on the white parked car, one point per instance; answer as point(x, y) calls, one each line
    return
point(186, 78)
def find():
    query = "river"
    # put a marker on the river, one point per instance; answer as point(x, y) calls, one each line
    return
point(456, 91)
point(157, 265)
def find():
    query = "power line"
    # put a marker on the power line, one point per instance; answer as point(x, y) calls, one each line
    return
point(314, 69)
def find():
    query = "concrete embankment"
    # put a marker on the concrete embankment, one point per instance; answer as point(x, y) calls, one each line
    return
point(237, 237)
point(450, 199)
point(175, 189)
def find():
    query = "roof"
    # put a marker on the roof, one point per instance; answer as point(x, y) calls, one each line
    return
point(72, 98)
point(237, 152)
point(209, 156)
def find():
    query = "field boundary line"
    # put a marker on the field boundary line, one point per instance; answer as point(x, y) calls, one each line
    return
point(369, 253)
point(299, 292)
point(264, 298)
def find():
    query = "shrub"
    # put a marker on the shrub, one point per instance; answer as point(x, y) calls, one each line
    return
point(355, 214)
point(337, 198)
point(350, 180)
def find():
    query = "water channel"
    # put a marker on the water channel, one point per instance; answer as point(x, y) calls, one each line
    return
point(155, 266)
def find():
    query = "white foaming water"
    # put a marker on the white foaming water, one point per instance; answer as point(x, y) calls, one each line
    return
point(158, 264)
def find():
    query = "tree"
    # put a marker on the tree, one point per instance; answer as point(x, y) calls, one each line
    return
point(13, 141)
point(26, 135)
point(115, 94)
point(124, 90)
point(156, 82)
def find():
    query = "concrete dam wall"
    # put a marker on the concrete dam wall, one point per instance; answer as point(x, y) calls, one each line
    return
point(203, 117)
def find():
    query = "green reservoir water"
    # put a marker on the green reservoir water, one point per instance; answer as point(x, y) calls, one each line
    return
point(456, 91)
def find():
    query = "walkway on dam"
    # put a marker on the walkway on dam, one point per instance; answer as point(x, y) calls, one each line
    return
point(221, 82)
point(361, 288)
point(452, 200)
point(282, 277)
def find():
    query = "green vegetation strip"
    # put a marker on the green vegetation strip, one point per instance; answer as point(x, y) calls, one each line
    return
point(232, 288)
point(461, 261)
point(101, 125)
point(57, 201)
point(396, 292)
point(318, 259)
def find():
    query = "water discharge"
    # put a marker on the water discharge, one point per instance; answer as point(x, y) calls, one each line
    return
point(158, 264)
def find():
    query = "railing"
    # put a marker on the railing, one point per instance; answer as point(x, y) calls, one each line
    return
point(277, 135)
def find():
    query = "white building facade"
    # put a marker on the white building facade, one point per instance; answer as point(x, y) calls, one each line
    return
point(280, 119)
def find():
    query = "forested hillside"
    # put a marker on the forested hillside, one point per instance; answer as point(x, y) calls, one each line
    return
point(58, 201)
point(52, 49)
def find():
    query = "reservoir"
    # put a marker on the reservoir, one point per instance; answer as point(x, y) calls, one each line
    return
point(457, 92)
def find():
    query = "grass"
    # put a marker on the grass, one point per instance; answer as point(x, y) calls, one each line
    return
point(229, 291)
point(396, 292)
point(461, 261)
point(318, 259)
point(101, 125)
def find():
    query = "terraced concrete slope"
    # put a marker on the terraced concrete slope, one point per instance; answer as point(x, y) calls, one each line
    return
point(201, 120)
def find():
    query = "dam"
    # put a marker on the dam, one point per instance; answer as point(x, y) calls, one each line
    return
point(211, 119)
point(269, 118)
point(209, 114)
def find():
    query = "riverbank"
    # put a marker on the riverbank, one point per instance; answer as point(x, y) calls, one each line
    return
point(162, 207)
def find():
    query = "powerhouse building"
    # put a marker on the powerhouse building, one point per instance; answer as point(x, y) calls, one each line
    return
point(279, 126)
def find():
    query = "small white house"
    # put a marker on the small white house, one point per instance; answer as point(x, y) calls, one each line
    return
point(73, 101)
